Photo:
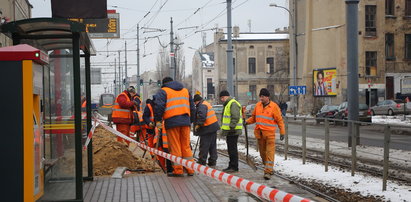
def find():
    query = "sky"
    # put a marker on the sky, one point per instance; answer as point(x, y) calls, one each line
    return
point(210, 14)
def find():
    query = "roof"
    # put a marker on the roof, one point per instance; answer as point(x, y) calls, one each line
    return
point(22, 52)
point(48, 33)
point(259, 36)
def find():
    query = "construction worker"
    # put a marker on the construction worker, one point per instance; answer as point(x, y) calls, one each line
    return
point(123, 112)
point(148, 118)
point(174, 105)
point(266, 116)
point(206, 126)
point(232, 125)
point(138, 126)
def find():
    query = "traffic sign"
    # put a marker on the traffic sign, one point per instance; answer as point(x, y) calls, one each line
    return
point(297, 90)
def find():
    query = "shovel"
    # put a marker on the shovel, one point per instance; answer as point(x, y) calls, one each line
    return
point(249, 161)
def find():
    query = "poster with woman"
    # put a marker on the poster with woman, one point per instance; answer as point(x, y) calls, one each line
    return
point(325, 82)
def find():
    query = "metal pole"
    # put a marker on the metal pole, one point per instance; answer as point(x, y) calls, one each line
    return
point(230, 72)
point(286, 139)
point(115, 77)
point(172, 62)
point(352, 59)
point(353, 148)
point(387, 134)
point(120, 81)
point(88, 97)
point(304, 142)
point(138, 59)
point(327, 144)
point(77, 116)
point(125, 65)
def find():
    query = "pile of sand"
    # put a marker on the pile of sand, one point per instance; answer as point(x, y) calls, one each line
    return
point(108, 154)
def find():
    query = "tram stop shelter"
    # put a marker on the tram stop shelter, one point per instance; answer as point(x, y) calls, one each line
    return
point(65, 83)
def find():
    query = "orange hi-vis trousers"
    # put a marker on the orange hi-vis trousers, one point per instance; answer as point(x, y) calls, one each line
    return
point(125, 129)
point(179, 144)
point(266, 144)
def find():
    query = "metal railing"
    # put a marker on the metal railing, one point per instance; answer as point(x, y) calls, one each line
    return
point(353, 132)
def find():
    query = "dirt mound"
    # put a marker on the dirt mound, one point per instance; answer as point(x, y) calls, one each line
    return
point(108, 154)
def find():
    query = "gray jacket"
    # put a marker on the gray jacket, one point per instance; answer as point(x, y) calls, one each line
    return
point(235, 118)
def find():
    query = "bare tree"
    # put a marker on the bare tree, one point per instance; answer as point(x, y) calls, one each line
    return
point(163, 63)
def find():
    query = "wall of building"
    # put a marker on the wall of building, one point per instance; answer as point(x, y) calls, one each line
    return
point(278, 49)
point(13, 10)
point(322, 42)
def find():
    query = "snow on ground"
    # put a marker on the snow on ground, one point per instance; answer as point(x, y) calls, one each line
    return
point(398, 157)
point(393, 120)
point(364, 184)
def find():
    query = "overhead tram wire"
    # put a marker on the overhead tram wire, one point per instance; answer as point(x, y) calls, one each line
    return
point(195, 12)
point(201, 27)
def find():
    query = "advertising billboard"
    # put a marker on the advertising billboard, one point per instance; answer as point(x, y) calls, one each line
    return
point(325, 82)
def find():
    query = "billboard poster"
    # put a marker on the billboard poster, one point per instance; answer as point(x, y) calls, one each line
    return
point(325, 81)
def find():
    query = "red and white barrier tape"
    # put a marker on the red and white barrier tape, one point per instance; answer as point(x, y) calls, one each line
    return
point(90, 134)
point(257, 189)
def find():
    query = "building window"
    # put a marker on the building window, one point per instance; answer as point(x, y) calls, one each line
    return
point(233, 65)
point(270, 65)
point(389, 7)
point(370, 20)
point(371, 63)
point(253, 91)
point(389, 46)
point(408, 46)
point(408, 7)
point(251, 47)
point(251, 65)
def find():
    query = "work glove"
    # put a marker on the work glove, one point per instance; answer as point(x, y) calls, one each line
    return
point(151, 125)
point(282, 137)
point(196, 128)
point(244, 122)
point(159, 125)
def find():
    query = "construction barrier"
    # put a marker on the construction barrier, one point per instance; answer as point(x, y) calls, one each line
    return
point(256, 189)
point(90, 134)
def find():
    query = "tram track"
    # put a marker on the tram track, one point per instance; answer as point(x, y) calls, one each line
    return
point(369, 166)
point(291, 181)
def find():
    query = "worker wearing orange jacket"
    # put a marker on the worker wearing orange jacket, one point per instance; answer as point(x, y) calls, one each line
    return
point(148, 118)
point(266, 116)
point(138, 126)
point(123, 112)
point(174, 105)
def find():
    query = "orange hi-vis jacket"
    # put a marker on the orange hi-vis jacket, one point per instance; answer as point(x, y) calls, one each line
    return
point(120, 113)
point(266, 118)
point(151, 115)
point(177, 103)
point(211, 117)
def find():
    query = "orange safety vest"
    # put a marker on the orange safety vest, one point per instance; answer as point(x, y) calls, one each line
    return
point(177, 103)
point(264, 116)
point(211, 117)
point(83, 106)
point(119, 112)
point(141, 103)
point(151, 115)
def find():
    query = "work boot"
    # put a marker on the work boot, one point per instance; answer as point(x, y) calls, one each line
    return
point(230, 170)
point(175, 175)
point(267, 176)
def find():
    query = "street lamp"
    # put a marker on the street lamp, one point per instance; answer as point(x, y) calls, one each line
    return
point(295, 55)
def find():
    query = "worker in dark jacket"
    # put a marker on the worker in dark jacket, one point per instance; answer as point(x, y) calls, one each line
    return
point(206, 126)
point(174, 105)
point(232, 126)
point(148, 119)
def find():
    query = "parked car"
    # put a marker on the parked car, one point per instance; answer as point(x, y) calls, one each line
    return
point(327, 111)
point(218, 109)
point(388, 107)
point(363, 113)
point(249, 110)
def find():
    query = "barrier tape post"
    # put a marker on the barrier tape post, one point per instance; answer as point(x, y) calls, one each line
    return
point(256, 189)
point(90, 134)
